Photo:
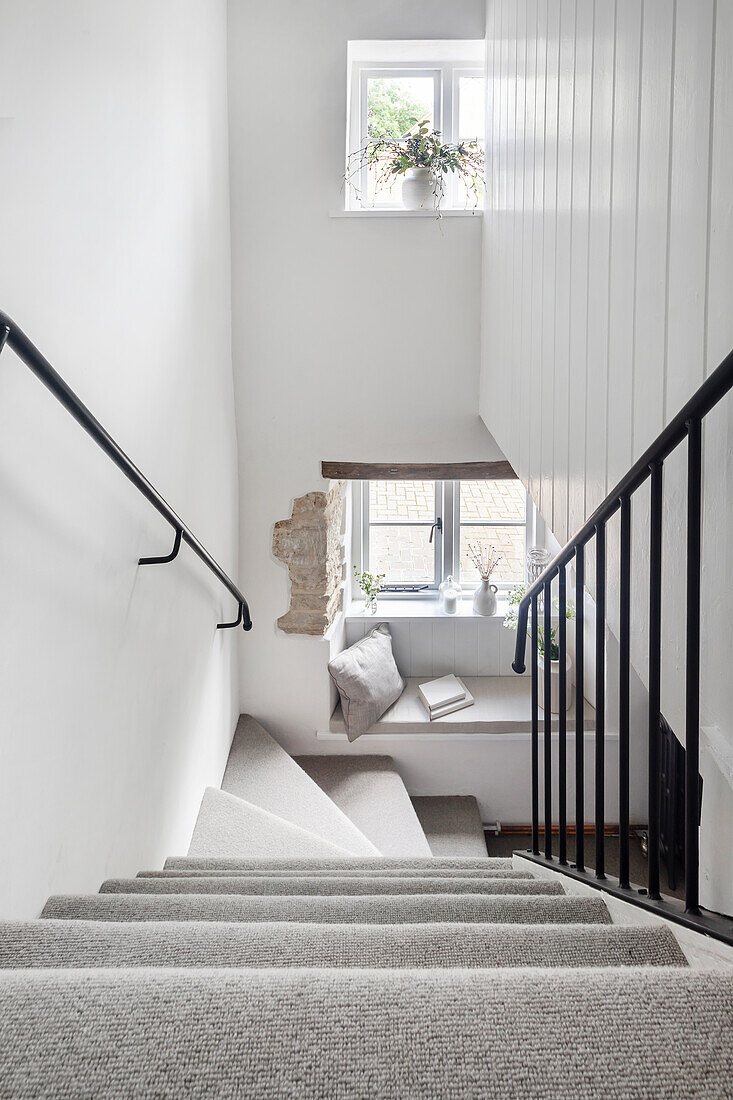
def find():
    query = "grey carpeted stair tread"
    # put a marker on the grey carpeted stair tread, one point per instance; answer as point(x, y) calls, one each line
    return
point(228, 826)
point(452, 825)
point(259, 885)
point(97, 943)
point(641, 1033)
point(371, 793)
point(385, 872)
point(261, 772)
point(372, 909)
point(183, 863)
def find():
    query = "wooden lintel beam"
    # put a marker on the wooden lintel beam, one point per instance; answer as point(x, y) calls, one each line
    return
point(418, 471)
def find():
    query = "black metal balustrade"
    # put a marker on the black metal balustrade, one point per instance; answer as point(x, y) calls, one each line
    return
point(686, 426)
point(12, 336)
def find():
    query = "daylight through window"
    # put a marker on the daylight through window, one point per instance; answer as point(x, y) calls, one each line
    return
point(395, 85)
point(419, 532)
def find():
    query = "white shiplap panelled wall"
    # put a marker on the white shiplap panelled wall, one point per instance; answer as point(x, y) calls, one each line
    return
point(608, 296)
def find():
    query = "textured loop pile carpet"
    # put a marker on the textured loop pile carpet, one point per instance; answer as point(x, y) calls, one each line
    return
point(348, 1034)
point(328, 938)
point(59, 943)
point(322, 885)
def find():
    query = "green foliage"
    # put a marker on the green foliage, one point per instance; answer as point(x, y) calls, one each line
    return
point(554, 647)
point(370, 583)
point(513, 600)
point(420, 148)
point(512, 615)
point(391, 111)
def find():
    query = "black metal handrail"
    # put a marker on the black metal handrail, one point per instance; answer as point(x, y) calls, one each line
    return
point(687, 424)
point(13, 336)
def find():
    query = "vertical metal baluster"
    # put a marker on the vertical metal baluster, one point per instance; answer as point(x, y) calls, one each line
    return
point(579, 712)
point(535, 735)
point(692, 673)
point(623, 690)
point(655, 666)
point(600, 697)
point(562, 721)
point(547, 631)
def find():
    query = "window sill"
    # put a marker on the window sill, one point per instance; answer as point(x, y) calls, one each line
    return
point(420, 608)
point(374, 212)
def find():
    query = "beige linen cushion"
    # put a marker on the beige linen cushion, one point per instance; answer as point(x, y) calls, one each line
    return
point(368, 680)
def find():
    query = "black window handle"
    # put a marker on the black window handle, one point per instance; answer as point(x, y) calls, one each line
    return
point(439, 524)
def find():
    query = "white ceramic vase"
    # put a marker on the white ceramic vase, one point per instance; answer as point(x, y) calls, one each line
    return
point(418, 189)
point(555, 683)
point(484, 599)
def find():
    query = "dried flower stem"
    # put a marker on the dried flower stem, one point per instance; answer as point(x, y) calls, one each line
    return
point(485, 558)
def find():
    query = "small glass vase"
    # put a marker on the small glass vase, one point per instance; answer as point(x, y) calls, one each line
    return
point(450, 595)
point(370, 605)
point(537, 561)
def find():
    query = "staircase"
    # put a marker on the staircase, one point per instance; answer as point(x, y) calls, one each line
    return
point(327, 936)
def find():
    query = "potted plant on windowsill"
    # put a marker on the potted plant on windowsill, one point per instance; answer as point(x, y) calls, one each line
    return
point(553, 647)
point(424, 161)
point(371, 586)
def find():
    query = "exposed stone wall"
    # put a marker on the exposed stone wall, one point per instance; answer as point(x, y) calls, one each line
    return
point(310, 545)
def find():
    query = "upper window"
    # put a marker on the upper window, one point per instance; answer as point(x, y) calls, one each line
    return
point(395, 85)
point(418, 532)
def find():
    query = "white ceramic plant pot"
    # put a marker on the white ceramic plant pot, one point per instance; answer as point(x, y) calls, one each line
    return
point(418, 189)
point(555, 683)
point(484, 599)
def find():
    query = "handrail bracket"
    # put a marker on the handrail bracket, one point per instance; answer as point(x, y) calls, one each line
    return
point(166, 557)
point(237, 621)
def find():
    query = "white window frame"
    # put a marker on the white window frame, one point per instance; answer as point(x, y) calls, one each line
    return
point(447, 541)
point(438, 538)
point(446, 61)
point(530, 531)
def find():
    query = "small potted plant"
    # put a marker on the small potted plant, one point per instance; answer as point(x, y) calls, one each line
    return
point(424, 161)
point(552, 648)
point(371, 585)
point(486, 559)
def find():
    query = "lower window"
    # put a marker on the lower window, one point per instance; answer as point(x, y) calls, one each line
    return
point(416, 533)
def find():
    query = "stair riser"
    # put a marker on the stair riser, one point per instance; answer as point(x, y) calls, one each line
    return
point(325, 886)
point(212, 863)
point(260, 771)
point(90, 944)
point(403, 872)
point(394, 909)
point(229, 826)
point(371, 793)
point(452, 824)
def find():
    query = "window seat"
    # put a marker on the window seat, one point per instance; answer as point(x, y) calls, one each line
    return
point(502, 706)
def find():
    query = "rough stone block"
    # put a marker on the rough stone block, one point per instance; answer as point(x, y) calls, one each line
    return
point(310, 545)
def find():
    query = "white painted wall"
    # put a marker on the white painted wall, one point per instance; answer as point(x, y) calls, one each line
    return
point(117, 694)
point(353, 338)
point(607, 290)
